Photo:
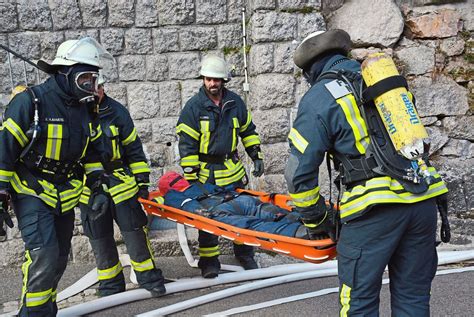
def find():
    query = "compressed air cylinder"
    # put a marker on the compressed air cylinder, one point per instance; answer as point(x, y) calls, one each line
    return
point(398, 113)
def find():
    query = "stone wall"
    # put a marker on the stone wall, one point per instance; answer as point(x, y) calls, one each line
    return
point(158, 46)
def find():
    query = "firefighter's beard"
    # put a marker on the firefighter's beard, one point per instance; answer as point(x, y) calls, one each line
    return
point(214, 90)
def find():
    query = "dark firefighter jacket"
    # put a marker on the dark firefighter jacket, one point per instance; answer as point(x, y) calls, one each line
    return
point(69, 135)
point(206, 129)
point(324, 124)
point(128, 167)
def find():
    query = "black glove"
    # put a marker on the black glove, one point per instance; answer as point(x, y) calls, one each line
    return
point(4, 204)
point(143, 191)
point(143, 181)
point(258, 168)
point(320, 220)
point(100, 204)
point(445, 231)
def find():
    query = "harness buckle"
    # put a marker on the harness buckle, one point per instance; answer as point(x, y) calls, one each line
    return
point(39, 160)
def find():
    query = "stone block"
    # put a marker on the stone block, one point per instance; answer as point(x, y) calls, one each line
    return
point(263, 4)
point(438, 137)
point(121, 13)
point(417, 60)
point(164, 130)
point(183, 65)
point(8, 17)
point(118, 91)
point(198, 38)
point(460, 127)
point(189, 88)
point(234, 10)
point(309, 23)
point(229, 36)
point(65, 14)
point(211, 12)
point(170, 98)
point(34, 15)
point(364, 19)
point(452, 46)
point(275, 157)
point(439, 96)
point(273, 26)
point(462, 149)
point(77, 34)
point(270, 91)
point(113, 40)
point(274, 183)
point(273, 125)
point(298, 5)
point(27, 44)
point(82, 250)
point(175, 12)
point(441, 23)
point(143, 100)
point(144, 129)
point(165, 40)
point(283, 57)
point(146, 13)
point(131, 67)
point(50, 42)
point(156, 67)
point(261, 59)
point(94, 13)
point(138, 41)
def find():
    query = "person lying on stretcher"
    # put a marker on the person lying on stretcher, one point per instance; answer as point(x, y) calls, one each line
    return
point(228, 206)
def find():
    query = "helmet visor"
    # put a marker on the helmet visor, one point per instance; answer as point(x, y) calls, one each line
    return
point(87, 82)
point(106, 60)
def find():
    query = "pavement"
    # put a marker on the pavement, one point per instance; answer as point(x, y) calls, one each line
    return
point(451, 294)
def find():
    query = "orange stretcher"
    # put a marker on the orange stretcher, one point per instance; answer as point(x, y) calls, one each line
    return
point(315, 251)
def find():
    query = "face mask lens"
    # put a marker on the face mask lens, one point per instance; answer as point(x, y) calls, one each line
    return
point(87, 82)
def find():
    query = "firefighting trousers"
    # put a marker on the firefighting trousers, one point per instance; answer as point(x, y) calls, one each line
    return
point(47, 239)
point(400, 236)
point(131, 220)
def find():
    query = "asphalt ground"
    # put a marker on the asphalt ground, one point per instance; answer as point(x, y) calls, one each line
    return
point(452, 295)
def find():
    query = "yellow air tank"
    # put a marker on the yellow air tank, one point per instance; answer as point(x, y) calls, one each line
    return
point(398, 113)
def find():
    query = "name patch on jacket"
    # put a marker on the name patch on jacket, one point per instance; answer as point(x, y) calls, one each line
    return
point(337, 88)
point(54, 119)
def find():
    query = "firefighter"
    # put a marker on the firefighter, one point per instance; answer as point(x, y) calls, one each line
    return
point(383, 223)
point(208, 129)
point(48, 136)
point(126, 178)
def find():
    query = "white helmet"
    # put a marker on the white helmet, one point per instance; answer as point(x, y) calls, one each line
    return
point(84, 51)
point(214, 67)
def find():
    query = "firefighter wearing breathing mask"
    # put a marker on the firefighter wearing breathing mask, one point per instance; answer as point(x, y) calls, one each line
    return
point(49, 136)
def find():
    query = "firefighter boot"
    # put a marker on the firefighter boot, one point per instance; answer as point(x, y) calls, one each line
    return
point(244, 254)
point(209, 266)
point(109, 269)
point(148, 275)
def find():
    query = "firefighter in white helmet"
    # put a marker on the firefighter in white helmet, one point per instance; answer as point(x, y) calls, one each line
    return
point(209, 128)
point(48, 136)
point(127, 178)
